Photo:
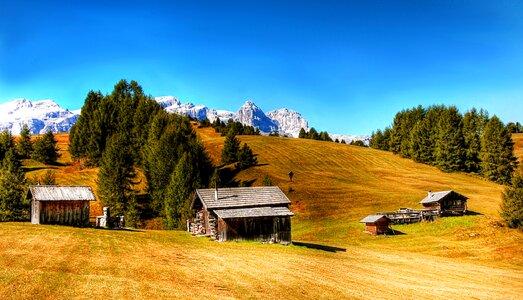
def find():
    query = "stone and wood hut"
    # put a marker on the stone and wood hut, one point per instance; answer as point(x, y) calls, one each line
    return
point(445, 202)
point(244, 213)
point(376, 224)
point(63, 205)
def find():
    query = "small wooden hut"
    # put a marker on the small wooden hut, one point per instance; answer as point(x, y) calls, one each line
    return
point(445, 202)
point(245, 213)
point(376, 224)
point(63, 205)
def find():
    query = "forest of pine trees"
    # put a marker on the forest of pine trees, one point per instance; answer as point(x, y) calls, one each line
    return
point(127, 130)
point(441, 136)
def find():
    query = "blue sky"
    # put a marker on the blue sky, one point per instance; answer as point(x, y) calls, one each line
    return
point(347, 66)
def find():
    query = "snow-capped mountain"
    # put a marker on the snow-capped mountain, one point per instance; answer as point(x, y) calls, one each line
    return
point(288, 121)
point(41, 116)
point(349, 138)
point(252, 115)
point(44, 115)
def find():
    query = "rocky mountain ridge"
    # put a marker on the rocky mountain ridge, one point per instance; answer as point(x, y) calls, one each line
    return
point(44, 115)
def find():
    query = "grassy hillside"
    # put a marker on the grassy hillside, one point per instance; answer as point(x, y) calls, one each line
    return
point(334, 187)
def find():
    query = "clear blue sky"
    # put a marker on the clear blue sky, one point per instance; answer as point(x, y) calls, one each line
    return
point(347, 66)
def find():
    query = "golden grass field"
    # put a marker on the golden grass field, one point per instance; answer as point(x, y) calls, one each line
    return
point(334, 186)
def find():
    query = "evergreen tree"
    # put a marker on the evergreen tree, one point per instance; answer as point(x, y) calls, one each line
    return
point(497, 159)
point(45, 150)
point(302, 134)
point(246, 158)
point(424, 134)
point(13, 206)
point(215, 181)
point(7, 143)
point(324, 136)
point(313, 134)
point(115, 178)
point(231, 147)
point(512, 204)
point(343, 142)
point(450, 148)
point(336, 141)
point(24, 145)
point(473, 124)
point(182, 184)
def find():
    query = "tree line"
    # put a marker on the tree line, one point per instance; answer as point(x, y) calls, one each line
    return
point(441, 136)
point(127, 132)
point(13, 182)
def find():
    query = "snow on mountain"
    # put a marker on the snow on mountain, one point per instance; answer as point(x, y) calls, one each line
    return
point(41, 116)
point(288, 121)
point(44, 115)
point(252, 115)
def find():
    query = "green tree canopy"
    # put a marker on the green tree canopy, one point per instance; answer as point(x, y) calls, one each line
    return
point(45, 150)
point(512, 204)
point(497, 158)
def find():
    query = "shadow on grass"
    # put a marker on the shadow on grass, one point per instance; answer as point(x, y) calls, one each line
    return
point(319, 247)
point(119, 229)
point(395, 232)
point(473, 213)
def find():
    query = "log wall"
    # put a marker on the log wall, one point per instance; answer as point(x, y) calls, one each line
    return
point(264, 229)
point(74, 213)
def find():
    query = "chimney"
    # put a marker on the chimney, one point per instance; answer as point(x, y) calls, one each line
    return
point(430, 194)
point(216, 193)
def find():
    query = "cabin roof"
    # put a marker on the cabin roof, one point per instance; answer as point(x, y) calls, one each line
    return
point(438, 196)
point(60, 193)
point(241, 197)
point(253, 212)
point(372, 218)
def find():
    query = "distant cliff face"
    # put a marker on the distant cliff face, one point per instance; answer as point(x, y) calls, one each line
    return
point(288, 121)
point(40, 116)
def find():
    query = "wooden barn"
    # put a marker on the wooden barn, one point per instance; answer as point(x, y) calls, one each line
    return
point(446, 202)
point(63, 205)
point(376, 224)
point(245, 213)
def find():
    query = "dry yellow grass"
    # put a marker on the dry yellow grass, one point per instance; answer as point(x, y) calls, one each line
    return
point(334, 187)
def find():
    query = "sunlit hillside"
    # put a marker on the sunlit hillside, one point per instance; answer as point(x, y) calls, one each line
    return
point(334, 186)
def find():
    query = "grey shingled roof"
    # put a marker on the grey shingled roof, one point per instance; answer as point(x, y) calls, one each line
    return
point(242, 197)
point(252, 212)
point(60, 193)
point(372, 218)
point(437, 196)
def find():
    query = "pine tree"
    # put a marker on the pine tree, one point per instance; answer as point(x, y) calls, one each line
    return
point(473, 124)
point(246, 158)
point(13, 206)
point(231, 147)
point(7, 142)
point(115, 178)
point(215, 181)
point(45, 150)
point(182, 183)
point(302, 134)
point(512, 204)
point(450, 148)
point(497, 159)
point(24, 145)
point(313, 134)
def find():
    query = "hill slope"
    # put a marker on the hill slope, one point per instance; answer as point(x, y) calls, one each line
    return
point(334, 187)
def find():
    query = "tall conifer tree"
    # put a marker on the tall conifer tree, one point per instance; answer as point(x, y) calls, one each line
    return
point(497, 158)
point(450, 149)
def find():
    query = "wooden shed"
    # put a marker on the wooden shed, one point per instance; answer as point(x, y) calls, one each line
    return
point(63, 205)
point(245, 213)
point(376, 224)
point(445, 202)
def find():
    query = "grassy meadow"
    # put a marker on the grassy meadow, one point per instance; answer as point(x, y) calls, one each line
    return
point(334, 186)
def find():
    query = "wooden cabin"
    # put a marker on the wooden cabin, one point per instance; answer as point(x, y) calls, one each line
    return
point(445, 202)
point(376, 224)
point(63, 205)
point(245, 213)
